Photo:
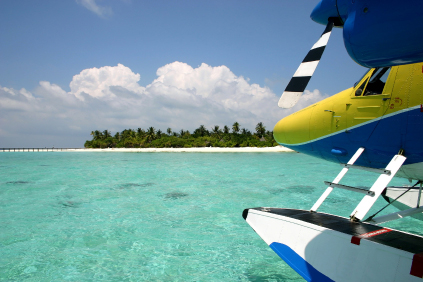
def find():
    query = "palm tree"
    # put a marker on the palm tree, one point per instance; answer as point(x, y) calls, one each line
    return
point(169, 131)
point(260, 129)
point(97, 135)
point(106, 134)
point(140, 132)
point(235, 127)
point(202, 131)
point(151, 134)
point(216, 131)
point(226, 129)
point(126, 133)
point(181, 133)
point(159, 133)
point(245, 132)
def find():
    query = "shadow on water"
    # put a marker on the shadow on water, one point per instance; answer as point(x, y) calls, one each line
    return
point(18, 182)
point(175, 195)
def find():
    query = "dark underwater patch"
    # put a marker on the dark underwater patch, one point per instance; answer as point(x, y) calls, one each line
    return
point(303, 189)
point(334, 200)
point(134, 185)
point(18, 182)
point(277, 191)
point(175, 195)
point(70, 204)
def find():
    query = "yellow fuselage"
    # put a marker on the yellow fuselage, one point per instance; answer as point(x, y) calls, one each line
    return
point(381, 114)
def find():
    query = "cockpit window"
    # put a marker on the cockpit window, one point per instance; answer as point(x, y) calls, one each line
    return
point(375, 84)
point(377, 81)
point(385, 75)
point(359, 90)
point(358, 81)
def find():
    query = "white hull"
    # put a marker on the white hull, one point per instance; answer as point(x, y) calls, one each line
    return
point(322, 247)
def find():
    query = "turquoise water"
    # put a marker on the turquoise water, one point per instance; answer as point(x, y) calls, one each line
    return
point(77, 216)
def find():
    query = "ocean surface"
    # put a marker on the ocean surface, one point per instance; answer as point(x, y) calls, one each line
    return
point(78, 216)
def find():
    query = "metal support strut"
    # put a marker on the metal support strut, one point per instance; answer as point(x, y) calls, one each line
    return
point(370, 195)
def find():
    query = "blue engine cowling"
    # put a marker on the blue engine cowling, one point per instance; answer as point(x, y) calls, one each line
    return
point(377, 32)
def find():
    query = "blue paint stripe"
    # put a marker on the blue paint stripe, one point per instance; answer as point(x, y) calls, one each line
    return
point(382, 140)
point(300, 265)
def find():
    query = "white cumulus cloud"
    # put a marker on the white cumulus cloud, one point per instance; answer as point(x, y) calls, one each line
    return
point(97, 82)
point(110, 97)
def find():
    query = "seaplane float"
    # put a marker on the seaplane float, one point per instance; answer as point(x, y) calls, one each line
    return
point(376, 125)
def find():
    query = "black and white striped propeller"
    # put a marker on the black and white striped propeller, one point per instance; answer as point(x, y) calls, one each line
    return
point(305, 71)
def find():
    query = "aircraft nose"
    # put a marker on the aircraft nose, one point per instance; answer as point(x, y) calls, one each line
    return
point(293, 129)
point(279, 132)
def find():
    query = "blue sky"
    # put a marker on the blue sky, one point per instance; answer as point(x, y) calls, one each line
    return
point(70, 67)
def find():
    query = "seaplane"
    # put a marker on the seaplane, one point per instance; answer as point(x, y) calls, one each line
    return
point(375, 125)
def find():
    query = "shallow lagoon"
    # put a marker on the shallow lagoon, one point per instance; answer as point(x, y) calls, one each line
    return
point(79, 216)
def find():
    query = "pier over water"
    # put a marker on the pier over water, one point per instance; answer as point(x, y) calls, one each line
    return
point(37, 149)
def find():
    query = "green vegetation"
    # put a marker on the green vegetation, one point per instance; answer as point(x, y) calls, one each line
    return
point(201, 137)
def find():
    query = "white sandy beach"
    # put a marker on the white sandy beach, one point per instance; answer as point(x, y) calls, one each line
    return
point(191, 150)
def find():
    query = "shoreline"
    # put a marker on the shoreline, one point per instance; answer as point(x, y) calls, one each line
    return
point(275, 149)
point(191, 150)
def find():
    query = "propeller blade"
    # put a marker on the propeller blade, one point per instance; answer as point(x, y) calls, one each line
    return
point(305, 71)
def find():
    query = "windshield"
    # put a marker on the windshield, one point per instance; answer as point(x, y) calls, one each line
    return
point(358, 81)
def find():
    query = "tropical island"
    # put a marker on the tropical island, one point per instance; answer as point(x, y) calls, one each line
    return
point(200, 137)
